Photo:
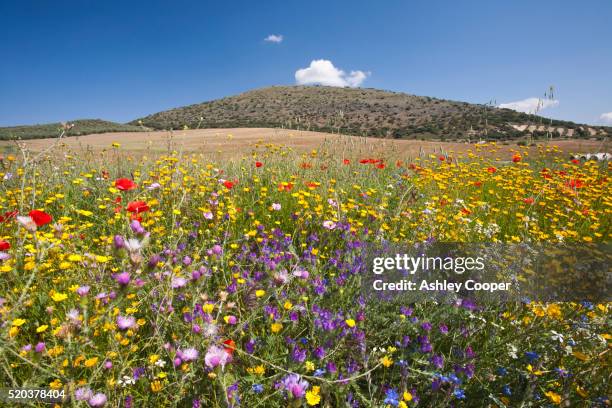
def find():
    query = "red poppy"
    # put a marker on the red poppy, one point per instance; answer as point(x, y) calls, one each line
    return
point(380, 166)
point(478, 183)
point(8, 215)
point(258, 164)
point(575, 183)
point(516, 158)
point(575, 161)
point(118, 200)
point(311, 184)
point(528, 200)
point(137, 207)
point(124, 184)
point(230, 346)
point(399, 163)
point(441, 158)
point(228, 184)
point(491, 170)
point(285, 186)
point(305, 165)
point(4, 245)
point(40, 217)
point(546, 174)
point(346, 161)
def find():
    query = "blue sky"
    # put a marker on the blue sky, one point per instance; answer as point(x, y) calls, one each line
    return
point(119, 60)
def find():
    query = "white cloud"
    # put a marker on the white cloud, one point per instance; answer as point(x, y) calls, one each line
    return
point(274, 38)
point(323, 72)
point(606, 117)
point(530, 105)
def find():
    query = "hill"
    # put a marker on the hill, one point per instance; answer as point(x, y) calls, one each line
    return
point(74, 128)
point(367, 112)
point(352, 111)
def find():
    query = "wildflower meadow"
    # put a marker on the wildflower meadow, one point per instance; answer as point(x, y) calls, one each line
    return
point(181, 279)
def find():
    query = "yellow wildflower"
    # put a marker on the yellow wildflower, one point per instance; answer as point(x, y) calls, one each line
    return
point(312, 396)
point(58, 297)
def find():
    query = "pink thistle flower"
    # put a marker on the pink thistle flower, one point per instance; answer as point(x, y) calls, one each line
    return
point(294, 384)
point(178, 282)
point(123, 278)
point(83, 290)
point(83, 394)
point(217, 356)
point(189, 354)
point(126, 322)
point(330, 225)
point(97, 400)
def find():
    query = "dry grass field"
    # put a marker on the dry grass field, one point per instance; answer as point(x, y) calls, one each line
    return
point(226, 143)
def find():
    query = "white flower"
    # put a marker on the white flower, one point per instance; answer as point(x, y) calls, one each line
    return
point(556, 336)
point(276, 206)
point(210, 330)
point(133, 245)
point(27, 222)
point(126, 380)
point(73, 316)
point(512, 351)
point(160, 363)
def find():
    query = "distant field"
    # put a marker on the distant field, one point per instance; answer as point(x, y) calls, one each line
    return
point(235, 142)
point(75, 128)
